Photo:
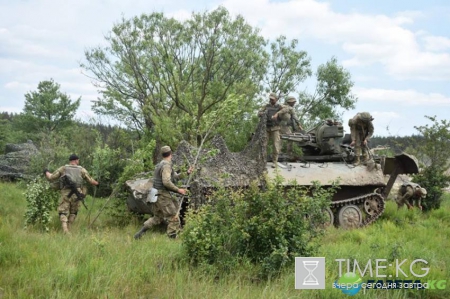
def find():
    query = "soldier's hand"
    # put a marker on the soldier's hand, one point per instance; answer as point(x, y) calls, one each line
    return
point(182, 191)
point(353, 143)
point(45, 171)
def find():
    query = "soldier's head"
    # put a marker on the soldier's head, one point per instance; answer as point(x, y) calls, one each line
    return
point(73, 159)
point(422, 192)
point(166, 151)
point(273, 98)
point(290, 100)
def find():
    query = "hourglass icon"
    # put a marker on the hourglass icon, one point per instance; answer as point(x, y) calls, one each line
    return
point(310, 279)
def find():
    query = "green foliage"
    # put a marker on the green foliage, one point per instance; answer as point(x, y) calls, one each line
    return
point(178, 77)
point(41, 201)
point(287, 66)
point(267, 229)
point(333, 92)
point(434, 158)
point(140, 162)
point(48, 109)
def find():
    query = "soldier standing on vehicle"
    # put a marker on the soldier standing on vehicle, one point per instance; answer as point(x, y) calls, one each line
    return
point(361, 129)
point(166, 207)
point(289, 122)
point(68, 207)
point(272, 110)
point(410, 194)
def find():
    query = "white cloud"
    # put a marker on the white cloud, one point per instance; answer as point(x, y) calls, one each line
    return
point(368, 39)
point(407, 97)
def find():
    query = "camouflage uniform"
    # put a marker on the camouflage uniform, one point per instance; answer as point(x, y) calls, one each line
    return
point(410, 194)
point(361, 129)
point(273, 125)
point(166, 207)
point(68, 207)
point(289, 122)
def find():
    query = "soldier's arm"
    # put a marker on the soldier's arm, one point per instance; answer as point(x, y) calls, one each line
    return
point(85, 175)
point(370, 130)
point(56, 174)
point(167, 179)
point(407, 196)
point(295, 119)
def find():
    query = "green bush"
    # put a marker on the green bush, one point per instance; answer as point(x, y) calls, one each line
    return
point(433, 179)
point(265, 228)
point(41, 201)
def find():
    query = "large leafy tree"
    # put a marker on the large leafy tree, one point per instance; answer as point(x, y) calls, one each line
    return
point(165, 76)
point(48, 109)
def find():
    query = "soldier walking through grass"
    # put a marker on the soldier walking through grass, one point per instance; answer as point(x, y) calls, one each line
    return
point(69, 205)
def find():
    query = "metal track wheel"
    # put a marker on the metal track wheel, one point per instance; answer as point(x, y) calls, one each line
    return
point(350, 217)
point(372, 205)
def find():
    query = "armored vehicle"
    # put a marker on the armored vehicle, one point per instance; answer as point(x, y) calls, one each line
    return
point(326, 157)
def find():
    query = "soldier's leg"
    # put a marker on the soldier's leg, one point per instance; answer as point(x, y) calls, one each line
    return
point(74, 207)
point(63, 211)
point(398, 200)
point(276, 145)
point(170, 212)
point(156, 219)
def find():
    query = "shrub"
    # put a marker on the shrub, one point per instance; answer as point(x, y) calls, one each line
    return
point(41, 200)
point(268, 229)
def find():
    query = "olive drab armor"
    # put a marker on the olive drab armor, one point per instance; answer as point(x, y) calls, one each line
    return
point(74, 172)
point(271, 110)
point(157, 176)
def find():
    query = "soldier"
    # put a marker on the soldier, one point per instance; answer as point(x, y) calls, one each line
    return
point(289, 122)
point(361, 129)
point(272, 110)
point(68, 207)
point(166, 206)
point(410, 194)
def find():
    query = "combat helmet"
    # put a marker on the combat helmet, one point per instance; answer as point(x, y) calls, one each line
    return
point(365, 116)
point(290, 99)
point(273, 95)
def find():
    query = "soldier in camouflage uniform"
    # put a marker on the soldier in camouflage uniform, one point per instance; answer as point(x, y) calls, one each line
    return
point(289, 122)
point(166, 206)
point(410, 194)
point(272, 110)
point(68, 207)
point(361, 129)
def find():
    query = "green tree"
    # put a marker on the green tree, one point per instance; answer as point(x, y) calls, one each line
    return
point(48, 109)
point(332, 93)
point(287, 67)
point(434, 159)
point(165, 75)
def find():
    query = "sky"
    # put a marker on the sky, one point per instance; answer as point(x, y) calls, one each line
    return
point(397, 52)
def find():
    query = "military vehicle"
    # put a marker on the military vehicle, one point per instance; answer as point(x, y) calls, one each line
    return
point(326, 158)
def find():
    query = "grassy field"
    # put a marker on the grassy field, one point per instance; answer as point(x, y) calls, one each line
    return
point(106, 262)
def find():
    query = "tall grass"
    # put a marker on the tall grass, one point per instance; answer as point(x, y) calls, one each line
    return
point(106, 262)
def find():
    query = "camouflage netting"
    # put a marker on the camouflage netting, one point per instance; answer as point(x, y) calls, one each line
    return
point(217, 166)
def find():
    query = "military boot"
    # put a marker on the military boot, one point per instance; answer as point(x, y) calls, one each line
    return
point(140, 233)
point(356, 162)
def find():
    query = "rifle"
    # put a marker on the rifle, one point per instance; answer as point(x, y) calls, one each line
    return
point(67, 181)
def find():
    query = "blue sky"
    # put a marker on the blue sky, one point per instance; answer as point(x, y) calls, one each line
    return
point(398, 52)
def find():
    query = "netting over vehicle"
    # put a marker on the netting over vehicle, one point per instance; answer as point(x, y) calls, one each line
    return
point(217, 166)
